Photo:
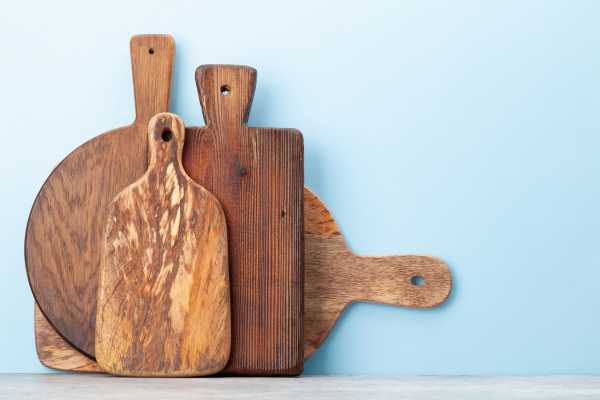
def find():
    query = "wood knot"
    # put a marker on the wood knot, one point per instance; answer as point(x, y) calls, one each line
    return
point(241, 170)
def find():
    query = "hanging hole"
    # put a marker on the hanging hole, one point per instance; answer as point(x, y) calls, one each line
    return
point(225, 91)
point(417, 280)
point(151, 50)
point(166, 135)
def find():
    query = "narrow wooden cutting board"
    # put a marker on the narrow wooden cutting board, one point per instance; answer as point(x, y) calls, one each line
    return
point(62, 252)
point(258, 176)
point(163, 290)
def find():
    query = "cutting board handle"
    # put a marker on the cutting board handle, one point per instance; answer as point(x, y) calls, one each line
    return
point(152, 58)
point(165, 139)
point(407, 280)
point(226, 93)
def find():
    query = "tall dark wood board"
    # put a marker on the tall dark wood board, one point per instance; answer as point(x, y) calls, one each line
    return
point(258, 176)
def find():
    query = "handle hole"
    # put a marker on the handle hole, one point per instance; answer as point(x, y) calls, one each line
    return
point(166, 135)
point(417, 280)
point(225, 91)
point(151, 50)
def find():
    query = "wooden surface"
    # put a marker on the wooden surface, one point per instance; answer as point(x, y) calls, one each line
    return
point(163, 292)
point(62, 251)
point(257, 175)
point(327, 296)
point(54, 352)
point(335, 277)
point(91, 386)
point(326, 255)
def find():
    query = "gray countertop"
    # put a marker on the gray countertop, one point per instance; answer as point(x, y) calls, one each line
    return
point(95, 386)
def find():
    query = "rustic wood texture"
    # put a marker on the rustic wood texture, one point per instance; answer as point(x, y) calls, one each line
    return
point(335, 277)
point(56, 353)
point(323, 247)
point(257, 175)
point(163, 290)
point(326, 296)
point(62, 251)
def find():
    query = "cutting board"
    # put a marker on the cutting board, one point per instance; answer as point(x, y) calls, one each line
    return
point(258, 176)
point(62, 252)
point(163, 290)
point(336, 277)
point(325, 297)
point(55, 352)
point(320, 227)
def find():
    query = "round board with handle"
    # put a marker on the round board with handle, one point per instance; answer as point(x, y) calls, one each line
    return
point(64, 230)
point(334, 277)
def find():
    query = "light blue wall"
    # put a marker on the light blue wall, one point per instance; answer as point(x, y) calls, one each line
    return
point(468, 130)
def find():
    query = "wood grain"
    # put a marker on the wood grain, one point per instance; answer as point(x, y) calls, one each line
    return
point(163, 293)
point(257, 175)
point(326, 296)
point(335, 277)
point(56, 353)
point(65, 225)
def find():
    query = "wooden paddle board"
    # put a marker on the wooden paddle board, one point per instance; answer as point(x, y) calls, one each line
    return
point(64, 230)
point(258, 176)
point(335, 277)
point(163, 291)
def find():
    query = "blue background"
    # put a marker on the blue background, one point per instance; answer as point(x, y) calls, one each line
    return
point(461, 129)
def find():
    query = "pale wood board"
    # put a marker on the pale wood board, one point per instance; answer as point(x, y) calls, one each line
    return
point(163, 291)
point(89, 386)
